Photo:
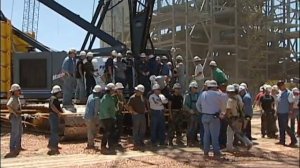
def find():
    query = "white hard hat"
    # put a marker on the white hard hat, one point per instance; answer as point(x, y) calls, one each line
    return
point(89, 54)
point(55, 89)
point(295, 90)
point(275, 87)
point(151, 56)
point(143, 55)
point(140, 88)
point(212, 83)
point(196, 58)
point(193, 85)
point(155, 87)
point(110, 86)
point(241, 88)
point(119, 86)
point(230, 88)
point(157, 58)
point(82, 53)
point(206, 82)
point(152, 78)
point(128, 52)
point(179, 57)
point(114, 53)
point(119, 55)
point(72, 50)
point(176, 86)
point(15, 87)
point(169, 63)
point(268, 88)
point(212, 63)
point(244, 84)
point(97, 89)
point(164, 57)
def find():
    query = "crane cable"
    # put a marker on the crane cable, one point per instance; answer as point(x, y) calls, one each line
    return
point(12, 9)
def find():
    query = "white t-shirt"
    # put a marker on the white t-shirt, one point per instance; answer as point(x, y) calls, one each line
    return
point(293, 98)
point(198, 69)
point(157, 101)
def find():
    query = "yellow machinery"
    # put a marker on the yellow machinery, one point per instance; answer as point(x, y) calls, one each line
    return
point(9, 43)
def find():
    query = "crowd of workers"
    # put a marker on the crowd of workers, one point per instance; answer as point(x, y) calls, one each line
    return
point(219, 112)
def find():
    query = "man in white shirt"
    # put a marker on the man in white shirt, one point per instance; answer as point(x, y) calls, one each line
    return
point(198, 76)
point(294, 99)
point(157, 101)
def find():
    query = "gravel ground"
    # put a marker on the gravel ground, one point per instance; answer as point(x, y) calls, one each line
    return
point(264, 154)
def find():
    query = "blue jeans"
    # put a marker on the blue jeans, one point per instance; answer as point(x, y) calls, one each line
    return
point(283, 120)
point(80, 90)
point(16, 132)
point(54, 124)
point(192, 128)
point(157, 126)
point(211, 126)
point(68, 90)
point(138, 128)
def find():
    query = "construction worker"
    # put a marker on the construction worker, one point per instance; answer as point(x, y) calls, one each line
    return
point(89, 74)
point(235, 117)
point(137, 107)
point(144, 73)
point(121, 105)
point(247, 108)
point(68, 68)
point(129, 70)
point(176, 116)
point(180, 69)
point(91, 115)
point(165, 70)
point(80, 88)
point(211, 104)
point(157, 101)
point(218, 75)
point(199, 75)
point(284, 109)
point(55, 112)
point(107, 117)
point(267, 103)
point(153, 65)
point(14, 107)
point(294, 99)
point(189, 105)
point(120, 68)
point(109, 66)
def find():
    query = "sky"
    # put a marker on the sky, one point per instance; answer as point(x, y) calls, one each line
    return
point(54, 30)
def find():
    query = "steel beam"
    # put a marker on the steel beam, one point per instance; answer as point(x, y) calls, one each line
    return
point(81, 22)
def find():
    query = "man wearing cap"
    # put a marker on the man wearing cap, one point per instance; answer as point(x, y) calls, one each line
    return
point(89, 74)
point(189, 105)
point(144, 73)
point(294, 98)
point(129, 70)
point(211, 102)
point(68, 68)
point(107, 117)
point(91, 115)
point(235, 116)
point(176, 116)
point(14, 107)
point(109, 66)
point(285, 108)
point(55, 112)
point(267, 103)
point(121, 105)
point(165, 68)
point(157, 102)
point(218, 75)
point(120, 68)
point(180, 69)
point(199, 75)
point(137, 107)
point(80, 88)
point(247, 108)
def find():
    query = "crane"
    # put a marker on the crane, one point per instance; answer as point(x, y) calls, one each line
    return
point(31, 17)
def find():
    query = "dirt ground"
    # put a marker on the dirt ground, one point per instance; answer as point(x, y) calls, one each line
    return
point(73, 154)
